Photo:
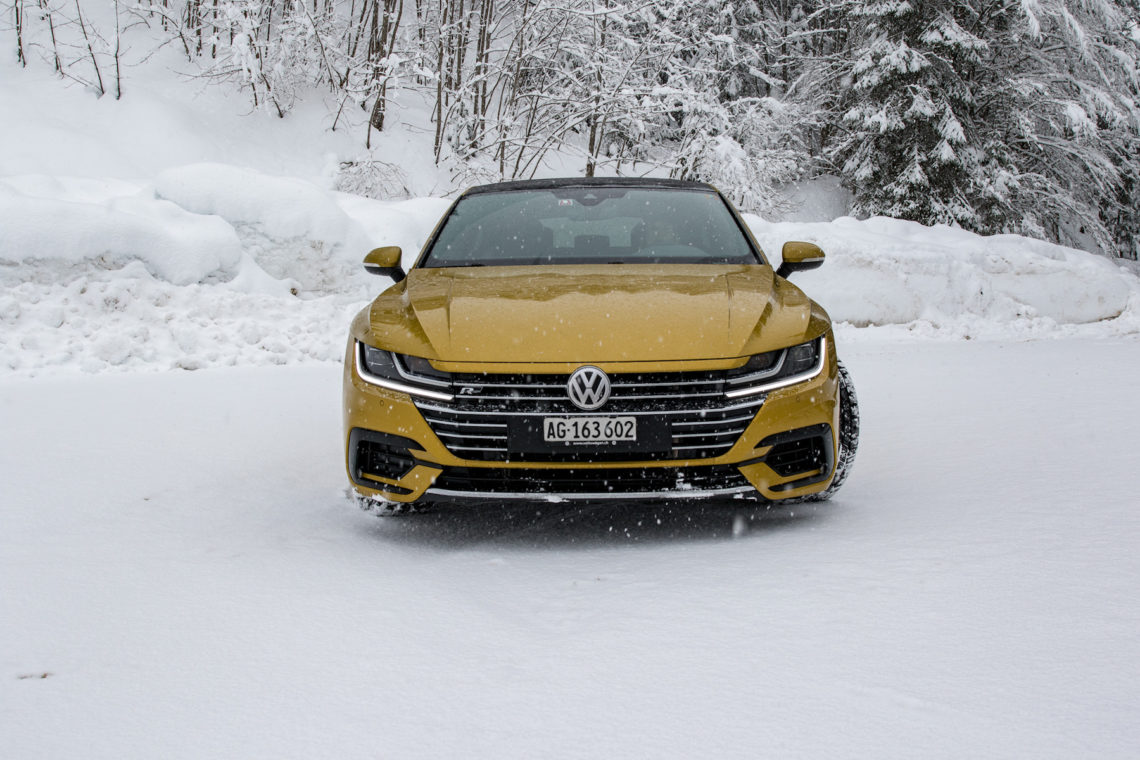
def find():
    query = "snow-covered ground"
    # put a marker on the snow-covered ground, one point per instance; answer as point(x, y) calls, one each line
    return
point(181, 577)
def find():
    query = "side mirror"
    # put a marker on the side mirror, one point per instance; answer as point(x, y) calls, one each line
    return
point(386, 261)
point(800, 257)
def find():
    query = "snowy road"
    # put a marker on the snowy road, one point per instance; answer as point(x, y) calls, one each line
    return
point(176, 556)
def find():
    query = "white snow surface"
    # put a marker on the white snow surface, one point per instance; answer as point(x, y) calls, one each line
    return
point(182, 577)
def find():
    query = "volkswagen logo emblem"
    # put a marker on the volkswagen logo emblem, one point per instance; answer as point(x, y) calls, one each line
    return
point(588, 388)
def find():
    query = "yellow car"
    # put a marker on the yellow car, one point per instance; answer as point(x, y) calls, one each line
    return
point(594, 339)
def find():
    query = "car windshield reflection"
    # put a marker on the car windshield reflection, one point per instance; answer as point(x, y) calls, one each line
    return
point(590, 225)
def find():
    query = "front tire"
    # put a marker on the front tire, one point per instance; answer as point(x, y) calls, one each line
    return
point(848, 435)
point(383, 508)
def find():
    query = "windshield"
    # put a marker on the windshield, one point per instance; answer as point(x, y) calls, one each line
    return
point(590, 225)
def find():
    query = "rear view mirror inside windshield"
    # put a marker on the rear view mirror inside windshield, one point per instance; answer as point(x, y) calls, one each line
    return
point(588, 196)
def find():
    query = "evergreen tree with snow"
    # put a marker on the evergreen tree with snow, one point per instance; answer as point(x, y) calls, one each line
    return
point(910, 145)
point(1017, 117)
point(1073, 124)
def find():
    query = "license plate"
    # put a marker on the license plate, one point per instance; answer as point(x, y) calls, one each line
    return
point(589, 429)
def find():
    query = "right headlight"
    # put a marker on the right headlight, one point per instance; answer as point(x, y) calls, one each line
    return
point(386, 369)
point(778, 369)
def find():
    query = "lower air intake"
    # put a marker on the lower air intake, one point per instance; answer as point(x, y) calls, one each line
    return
point(379, 455)
point(589, 481)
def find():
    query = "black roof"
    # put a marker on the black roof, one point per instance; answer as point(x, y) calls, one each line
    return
point(551, 184)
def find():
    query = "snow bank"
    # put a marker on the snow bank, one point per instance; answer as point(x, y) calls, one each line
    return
point(217, 265)
point(887, 272)
point(403, 223)
point(104, 275)
point(174, 244)
point(284, 207)
point(69, 316)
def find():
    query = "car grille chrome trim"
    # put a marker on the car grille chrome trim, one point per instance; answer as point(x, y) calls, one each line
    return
point(605, 496)
point(422, 406)
point(608, 482)
point(447, 434)
point(703, 435)
point(694, 423)
point(554, 397)
point(701, 447)
point(703, 423)
point(469, 380)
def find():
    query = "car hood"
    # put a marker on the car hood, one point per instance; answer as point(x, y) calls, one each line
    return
point(590, 314)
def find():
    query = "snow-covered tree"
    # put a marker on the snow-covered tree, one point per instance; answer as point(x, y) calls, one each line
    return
point(1072, 127)
point(719, 116)
point(912, 148)
point(1005, 117)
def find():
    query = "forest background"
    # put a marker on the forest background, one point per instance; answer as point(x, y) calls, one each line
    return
point(1017, 116)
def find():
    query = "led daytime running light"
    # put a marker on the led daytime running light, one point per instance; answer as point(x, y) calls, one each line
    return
point(786, 381)
point(393, 385)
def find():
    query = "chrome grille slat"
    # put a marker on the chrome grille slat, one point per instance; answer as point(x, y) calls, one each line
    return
point(469, 384)
point(753, 402)
point(467, 436)
point(617, 385)
point(692, 423)
point(717, 434)
point(432, 419)
point(703, 422)
point(613, 397)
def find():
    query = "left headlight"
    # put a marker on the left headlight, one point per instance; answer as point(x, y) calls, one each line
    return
point(385, 369)
point(778, 369)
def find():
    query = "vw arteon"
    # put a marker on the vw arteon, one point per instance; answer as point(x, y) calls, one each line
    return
point(594, 339)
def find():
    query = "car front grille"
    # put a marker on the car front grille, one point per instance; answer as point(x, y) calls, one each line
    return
point(701, 422)
point(601, 482)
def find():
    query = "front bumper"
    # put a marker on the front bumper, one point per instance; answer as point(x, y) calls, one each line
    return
point(786, 450)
